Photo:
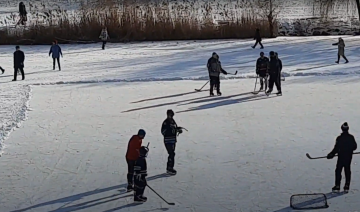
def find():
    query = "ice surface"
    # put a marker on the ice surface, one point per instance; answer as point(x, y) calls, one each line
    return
point(242, 152)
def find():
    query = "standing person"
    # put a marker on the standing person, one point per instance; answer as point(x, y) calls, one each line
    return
point(23, 14)
point(214, 69)
point(274, 72)
point(140, 175)
point(104, 36)
point(341, 50)
point(170, 131)
point(258, 39)
point(55, 50)
point(262, 64)
point(2, 70)
point(132, 155)
point(344, 147)
point(19, 58)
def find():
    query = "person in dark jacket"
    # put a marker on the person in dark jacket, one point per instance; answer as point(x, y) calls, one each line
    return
point(2, 70)
point(344, 147)
point(274, 72)
point(23, 14)
point(132, 155)
point(262, 64)
point(55, 51)
point(19, 58)
point(341, 50)
point(214, 69)
point(258, 39)
point(170, 131)
point(140, 169)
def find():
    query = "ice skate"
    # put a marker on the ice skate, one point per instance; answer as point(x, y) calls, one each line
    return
point(171, 171)
point(139, 199)
point(129, 188)
point(336, 189)
point(346, 188)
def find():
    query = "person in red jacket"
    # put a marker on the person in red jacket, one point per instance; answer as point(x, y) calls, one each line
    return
point(132, 154)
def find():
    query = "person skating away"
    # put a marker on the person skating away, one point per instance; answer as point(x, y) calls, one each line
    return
point(140, 169)
point(104, 36)
point(132, 154)
point(2, 70)
point(274, 72)
point(262, 64)
point(344, 147)
point(170, 131)
point(341, 50)
point(214, 69)
point(22, 13)
point(258, 39)
point(19, 58)
point(55, 51)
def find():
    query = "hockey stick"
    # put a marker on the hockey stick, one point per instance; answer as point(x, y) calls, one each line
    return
point(202, 86)
point(257, 76)
point(232, 74)
point(183, 129)
point(307, 155)
point(169, 203)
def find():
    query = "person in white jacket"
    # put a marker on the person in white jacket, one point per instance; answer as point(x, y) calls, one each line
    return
point(104, 36)
point(341, 50)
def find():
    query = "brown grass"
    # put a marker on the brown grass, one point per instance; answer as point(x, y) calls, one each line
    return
point(147, 22)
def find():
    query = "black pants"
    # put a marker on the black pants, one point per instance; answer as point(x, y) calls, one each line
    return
point(275, 78)
point(130, 174)
point(58, 62)
point(339, 167)
point(139, 185)
point(258, 42)
point(263, 78)
point(214, 82)
point(343, 57)
point(103, 44)
point(21, 69)
point(170, 148)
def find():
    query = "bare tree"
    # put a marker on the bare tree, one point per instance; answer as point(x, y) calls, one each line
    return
point(268, 10)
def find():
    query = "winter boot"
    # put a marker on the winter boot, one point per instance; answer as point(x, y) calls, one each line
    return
point(219, 93)
point(171, 171)
point(337, 62)
point(336, 188)
point(346, 188)
point(268, 92)
point(279, 93)
point(142, 197)
point(129, 188)
point(211, 94)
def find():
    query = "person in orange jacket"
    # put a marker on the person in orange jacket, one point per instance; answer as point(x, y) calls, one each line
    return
point(132, 154)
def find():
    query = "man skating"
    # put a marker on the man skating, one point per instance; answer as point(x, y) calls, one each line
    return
point(262, 64)
point(19, 58)
point(55, 51)
point(274, 72)
point(344, 148)
point(214, 69)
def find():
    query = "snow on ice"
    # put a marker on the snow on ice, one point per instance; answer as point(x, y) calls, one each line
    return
point(242, 152)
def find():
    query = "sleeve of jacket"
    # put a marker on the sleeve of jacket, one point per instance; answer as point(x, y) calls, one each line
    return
point(355, 144)
point(280, 65)
point(336, 147)
point(257, 65)
point(50, 50)
point(164, 127)
point(23, 56)
point(334, 44)
point(60, 50)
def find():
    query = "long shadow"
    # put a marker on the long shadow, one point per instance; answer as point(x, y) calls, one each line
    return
point(228, 102)
point(132, 205)
point(35, 72)
point(169, 96)
point(76, 197)
point(329, 195)
point(215, 98)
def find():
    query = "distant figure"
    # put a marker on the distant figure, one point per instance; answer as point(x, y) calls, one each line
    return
point(2, 70)
point(55, 50)
point(104, 36)
point(23, 14)
point(258, 39)
point(341, 50)
point(19, 58)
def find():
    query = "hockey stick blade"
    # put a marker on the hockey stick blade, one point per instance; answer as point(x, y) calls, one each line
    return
point(169, 203)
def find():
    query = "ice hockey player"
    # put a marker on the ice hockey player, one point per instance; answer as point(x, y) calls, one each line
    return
point(258, 39)
point(262, 64)
point(274, 72)
point(19, 58)
point(23, 14)
point(2, 70)
point(214, 69)
point(170, 131)
point(140, 175)
point(344, 147)
point(132, 154)
point(104, 36)
point(55, 50)
point(341, 50)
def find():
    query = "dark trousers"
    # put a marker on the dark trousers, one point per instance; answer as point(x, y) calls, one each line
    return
point(139, 185)
point(130, 174)
point(263, 78)
point(343, 57)
point(258, 42)
point(21, 69)
point(103, 44)
point(58, 62)
point(274, 78)
point(170, 148)
point(214, 82)
point(339, 167)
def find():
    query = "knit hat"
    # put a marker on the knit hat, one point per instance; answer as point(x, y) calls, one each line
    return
point(345, 127)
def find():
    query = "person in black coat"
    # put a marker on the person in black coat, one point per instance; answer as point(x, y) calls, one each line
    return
point(262, 64)
point(258, 39)
point(140, 174)
point(214, 68)
point(344, 147)
point(23, 13)
point(274, 72)
point(19, 58)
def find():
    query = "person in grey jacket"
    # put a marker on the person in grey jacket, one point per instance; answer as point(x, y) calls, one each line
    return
point(55, 50)
point(214, 69)
point(104, 36)
point(341, 50)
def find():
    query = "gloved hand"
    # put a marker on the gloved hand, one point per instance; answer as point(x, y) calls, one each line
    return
point(224, 72)
point(330, 156)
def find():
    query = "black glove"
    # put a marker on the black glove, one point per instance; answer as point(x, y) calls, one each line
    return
point(330, 156)
point(224, 72)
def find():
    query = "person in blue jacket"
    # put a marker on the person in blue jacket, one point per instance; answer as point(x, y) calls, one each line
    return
point(55, 50)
